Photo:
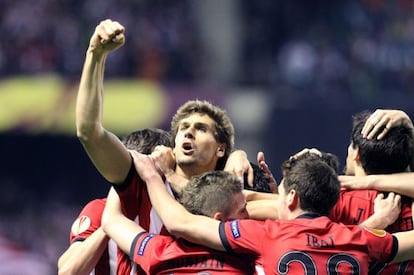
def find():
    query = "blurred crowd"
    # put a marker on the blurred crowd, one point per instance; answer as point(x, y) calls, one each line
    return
point(46, 36)
point(357, 48)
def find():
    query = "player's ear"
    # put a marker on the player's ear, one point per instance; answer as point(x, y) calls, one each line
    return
point(292, 199)
point(356, 155)
point(218, 216)
point(221, 149)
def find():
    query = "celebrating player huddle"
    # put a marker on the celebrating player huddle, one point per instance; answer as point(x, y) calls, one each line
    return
point(177, 203)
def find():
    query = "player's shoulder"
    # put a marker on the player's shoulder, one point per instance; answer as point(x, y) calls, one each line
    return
point(366, 194)
point(96, 203)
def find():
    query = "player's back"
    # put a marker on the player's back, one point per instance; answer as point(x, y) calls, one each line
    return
point(310, 245)
point(158, 254)
point(355, 206)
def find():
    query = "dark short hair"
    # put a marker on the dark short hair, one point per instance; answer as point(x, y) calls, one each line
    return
point(315, 182)
point(391, 154)
point(145, 140)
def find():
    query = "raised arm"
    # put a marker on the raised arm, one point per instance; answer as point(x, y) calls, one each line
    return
point(401, 183)
point(178, 221)
point(103, 147)
point(119, 228)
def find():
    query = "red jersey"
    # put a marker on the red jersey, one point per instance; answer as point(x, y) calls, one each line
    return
point(355, 206)
point(158, 254)
point(309, 245)
point(88, 221)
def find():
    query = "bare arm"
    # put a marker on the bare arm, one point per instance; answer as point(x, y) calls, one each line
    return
point(405, 246)
point(262, 209)
point(401, 183)
point(116, 225)
point(82, 257)
point(103, 147)
point(177, 220)
point(254, 195)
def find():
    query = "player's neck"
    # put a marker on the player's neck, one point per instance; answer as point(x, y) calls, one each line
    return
point(187, 171)
point(296, 213)
point(359, 171)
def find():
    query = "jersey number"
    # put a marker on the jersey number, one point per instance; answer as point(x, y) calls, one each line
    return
point(309, 264)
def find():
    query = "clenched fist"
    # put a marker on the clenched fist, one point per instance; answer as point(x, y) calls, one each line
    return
point(108, 36)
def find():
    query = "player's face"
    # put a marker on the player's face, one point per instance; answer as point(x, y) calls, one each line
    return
point(195, 142)
point(350, 161)
point(238, 210)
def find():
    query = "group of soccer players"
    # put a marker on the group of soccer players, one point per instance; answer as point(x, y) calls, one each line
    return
point(177, 205)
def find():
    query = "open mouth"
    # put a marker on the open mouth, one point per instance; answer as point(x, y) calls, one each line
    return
point(187, 148)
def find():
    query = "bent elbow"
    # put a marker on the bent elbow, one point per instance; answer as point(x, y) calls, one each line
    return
point(87, 131)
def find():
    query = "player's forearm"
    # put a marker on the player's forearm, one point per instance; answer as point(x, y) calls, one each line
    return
point(374, 222)
point(402, 183)
point(405, 246)
point(82, 257)
point(262, 209)
point(116, 225)
point(161, 201)
point(89, 100)
point(254, 195)
point(178, 221)
point(122, 231)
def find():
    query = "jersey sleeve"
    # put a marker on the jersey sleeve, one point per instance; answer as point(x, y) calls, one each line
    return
point(242, 236)
point(131, 192)
point(144, 247)
point(382, 246)
point(88, 221)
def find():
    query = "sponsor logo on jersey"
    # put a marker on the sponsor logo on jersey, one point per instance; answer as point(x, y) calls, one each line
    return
point(80, 225)
point(376, 232)
point(234, 225)
point(143, 244)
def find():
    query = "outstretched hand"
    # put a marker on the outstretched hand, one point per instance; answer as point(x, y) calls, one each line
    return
point(385, 120)
point(108, 36)
point(263, 165)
